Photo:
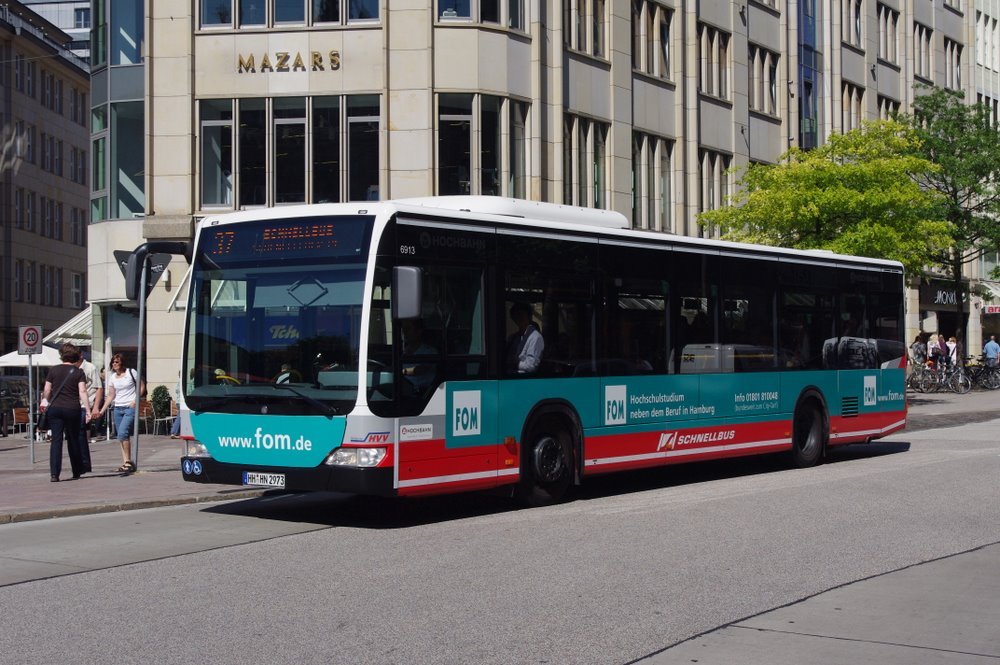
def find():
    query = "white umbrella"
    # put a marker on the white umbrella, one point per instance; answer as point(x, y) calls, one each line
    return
point(49, 357)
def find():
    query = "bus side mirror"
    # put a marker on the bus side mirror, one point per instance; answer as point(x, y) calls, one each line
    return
point(407, 283)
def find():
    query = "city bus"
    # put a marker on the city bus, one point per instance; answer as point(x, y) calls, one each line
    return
point(376, 348)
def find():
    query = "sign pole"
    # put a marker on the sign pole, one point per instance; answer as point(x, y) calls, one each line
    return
point(31, 408)
point(138, 360)
point(29, 342)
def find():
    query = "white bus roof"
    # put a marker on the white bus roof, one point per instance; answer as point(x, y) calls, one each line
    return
point(550, 216)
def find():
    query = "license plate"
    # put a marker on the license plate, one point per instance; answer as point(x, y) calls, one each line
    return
point(264, 479)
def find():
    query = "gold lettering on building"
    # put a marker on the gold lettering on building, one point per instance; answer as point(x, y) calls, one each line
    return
point(286, 61)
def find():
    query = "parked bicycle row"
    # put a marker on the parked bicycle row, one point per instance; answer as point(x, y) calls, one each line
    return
point(931, 376)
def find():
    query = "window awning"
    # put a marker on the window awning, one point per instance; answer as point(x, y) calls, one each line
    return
point(993, 289)
point(79, 330)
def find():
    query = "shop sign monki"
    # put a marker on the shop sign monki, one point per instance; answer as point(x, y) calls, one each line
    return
point(286, 61)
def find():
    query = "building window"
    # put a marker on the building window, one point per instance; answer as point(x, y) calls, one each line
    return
point(98, 34)
point(585, 26)
point(517, 151)
point(482, 145)
point(29, 145)
point(651, 25)
point(713, 173)
point(77, 290)
point(19, 66)
point(852, 18)
point(952, 64)
point(46, 295)
point(29, 212)
point(326, 161)
point(454, 144)
point(888, 33)
point(987, 40)
point(851, 107)
point(252, 141)
point(652, 185)
point(713, 62)
point(585, 168)
point(887, 108)
point(81, 18)
point(29, 281)
point(18, 280)
point(362, 156)
point(269, 13)
point(18, 208)
point(763, 89)
point(320, 148)
point(289, 150)
point(922, 51)
point(509, 13)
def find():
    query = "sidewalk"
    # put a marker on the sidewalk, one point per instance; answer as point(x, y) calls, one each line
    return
point(26, 493)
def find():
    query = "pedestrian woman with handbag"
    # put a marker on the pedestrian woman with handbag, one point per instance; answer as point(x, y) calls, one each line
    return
point(63, 413)
point(124, 389)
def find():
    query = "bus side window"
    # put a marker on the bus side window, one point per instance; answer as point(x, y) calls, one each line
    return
point(453, 309)
point(748, 316)
point(695, 314)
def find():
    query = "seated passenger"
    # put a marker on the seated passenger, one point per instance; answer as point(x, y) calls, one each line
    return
point(525, 347)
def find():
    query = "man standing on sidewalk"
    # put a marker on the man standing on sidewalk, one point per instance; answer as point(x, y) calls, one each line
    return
point(95, 394)
point(991, 351)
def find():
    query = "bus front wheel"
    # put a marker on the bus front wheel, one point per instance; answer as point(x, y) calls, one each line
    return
point(547, 466)
point(809, 434)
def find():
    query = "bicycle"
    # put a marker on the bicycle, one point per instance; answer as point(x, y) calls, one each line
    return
point(983, 375)
point(950, 377)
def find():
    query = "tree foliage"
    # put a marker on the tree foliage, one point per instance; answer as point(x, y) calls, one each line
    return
point(860, 193)
point(964, 142)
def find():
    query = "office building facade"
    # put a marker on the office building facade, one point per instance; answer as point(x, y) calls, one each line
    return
point(641, 107)
point(44, 188)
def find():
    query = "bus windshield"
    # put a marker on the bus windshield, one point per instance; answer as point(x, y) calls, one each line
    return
point(275, 316)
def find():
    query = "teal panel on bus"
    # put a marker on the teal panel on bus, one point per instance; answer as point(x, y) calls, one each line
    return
point(892, 390)
point(472, 417)
point(518, 397)
point(295, 441)
point(793, 383)
point(876, 390)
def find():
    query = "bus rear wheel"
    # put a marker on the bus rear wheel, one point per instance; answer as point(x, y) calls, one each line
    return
point(809, 434)
point(547, 466)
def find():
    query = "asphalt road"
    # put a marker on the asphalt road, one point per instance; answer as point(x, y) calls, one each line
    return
point(630, 569)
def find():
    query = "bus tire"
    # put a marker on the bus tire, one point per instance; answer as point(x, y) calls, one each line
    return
point(809, 433)
point(546, 465)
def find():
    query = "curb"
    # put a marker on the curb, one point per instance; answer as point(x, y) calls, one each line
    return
point(95, 509)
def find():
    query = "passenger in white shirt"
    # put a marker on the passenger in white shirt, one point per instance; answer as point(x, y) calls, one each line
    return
point(525, 347)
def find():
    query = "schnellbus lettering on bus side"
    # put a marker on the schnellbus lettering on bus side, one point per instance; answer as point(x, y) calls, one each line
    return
point(614, 405)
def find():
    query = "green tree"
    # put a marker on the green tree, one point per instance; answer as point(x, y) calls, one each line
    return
point(859, 194)
point(963, 141)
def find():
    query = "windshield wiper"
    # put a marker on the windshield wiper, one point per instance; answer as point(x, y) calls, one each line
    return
point(325, 409)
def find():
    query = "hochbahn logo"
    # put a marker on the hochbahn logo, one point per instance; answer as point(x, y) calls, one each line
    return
point(671, 440)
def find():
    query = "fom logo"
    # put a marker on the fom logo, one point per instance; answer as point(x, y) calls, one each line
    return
point(667, 441)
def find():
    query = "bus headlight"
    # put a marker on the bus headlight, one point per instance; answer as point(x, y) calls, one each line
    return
point(195, 449)
point(361, 457)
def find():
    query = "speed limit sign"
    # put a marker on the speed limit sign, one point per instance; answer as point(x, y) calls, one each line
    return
point(29, 340)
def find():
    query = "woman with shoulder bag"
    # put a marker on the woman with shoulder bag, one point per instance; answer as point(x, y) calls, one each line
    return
point(63, 412)
point(124, 390)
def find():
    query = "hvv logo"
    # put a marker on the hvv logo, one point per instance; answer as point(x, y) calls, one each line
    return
point(466, 409)
point(871, 390)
